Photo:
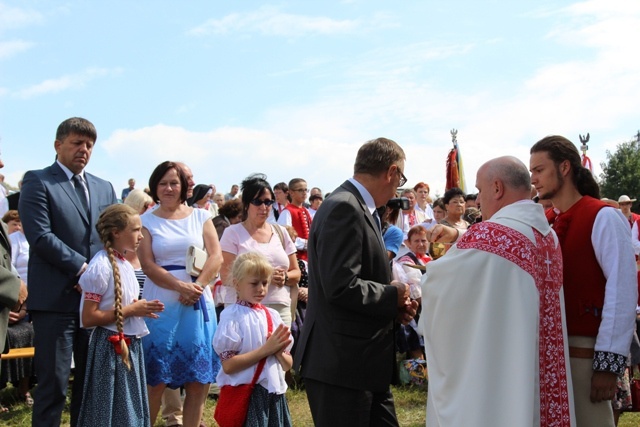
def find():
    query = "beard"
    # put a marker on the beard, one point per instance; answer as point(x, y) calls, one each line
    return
point(551, 193)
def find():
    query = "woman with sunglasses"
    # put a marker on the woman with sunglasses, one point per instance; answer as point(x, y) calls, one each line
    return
point(255, 234)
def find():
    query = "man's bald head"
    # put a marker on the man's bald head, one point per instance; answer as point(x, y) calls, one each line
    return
point(511, 171)
point(501, 182)
point(187, 171)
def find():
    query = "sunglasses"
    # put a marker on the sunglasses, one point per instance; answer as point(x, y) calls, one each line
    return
point(260, 202)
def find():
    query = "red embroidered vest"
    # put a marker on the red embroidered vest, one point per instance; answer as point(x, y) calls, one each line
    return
point(584, 281)
point(301, 222)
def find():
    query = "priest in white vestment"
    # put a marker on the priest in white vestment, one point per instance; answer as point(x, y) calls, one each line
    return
point(493, 314)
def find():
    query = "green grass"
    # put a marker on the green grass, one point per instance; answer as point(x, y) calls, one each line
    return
point(410, 407)
point(629, 419)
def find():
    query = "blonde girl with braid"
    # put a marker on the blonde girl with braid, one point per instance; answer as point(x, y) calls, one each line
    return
point(115, 390)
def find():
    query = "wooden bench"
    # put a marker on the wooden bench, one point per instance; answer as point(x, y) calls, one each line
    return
point(19, 353)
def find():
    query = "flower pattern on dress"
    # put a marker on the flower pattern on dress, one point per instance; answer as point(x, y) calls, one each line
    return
point(226, 355)
point(90, 296)
point(623, 400)
point(543, 261)
point(248, 304)
point(195, 364)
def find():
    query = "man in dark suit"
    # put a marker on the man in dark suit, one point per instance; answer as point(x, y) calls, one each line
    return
point(346, 351)
point(59, 207)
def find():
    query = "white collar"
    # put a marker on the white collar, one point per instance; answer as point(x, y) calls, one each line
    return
point(68, 172)
point(366, 196)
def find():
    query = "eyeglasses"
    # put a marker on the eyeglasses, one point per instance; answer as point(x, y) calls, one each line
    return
point(260, 202)
point(403, 179)
point(301, 190)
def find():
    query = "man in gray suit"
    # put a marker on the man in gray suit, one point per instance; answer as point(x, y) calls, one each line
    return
point(346, 351)
point(13, 292)
point(59, 207)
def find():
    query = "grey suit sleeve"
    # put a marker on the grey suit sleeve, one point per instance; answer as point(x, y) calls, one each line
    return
point(9, 288)
point(343, 248)
point(9, 282)
point(36, 220)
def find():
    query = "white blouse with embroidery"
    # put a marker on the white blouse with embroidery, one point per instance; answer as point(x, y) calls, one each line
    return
point(97, 285)
point(242, 328)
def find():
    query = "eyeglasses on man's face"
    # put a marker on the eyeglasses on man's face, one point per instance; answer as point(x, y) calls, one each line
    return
point(403, 179)
point(300, 190)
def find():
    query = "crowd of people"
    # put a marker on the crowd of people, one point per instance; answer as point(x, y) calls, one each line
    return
point(294, 281)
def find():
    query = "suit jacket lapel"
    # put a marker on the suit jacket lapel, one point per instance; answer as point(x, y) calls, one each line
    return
point(370, 219)
point(68, 188)
point(92, 186)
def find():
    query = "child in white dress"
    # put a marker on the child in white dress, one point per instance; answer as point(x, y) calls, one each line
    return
point(115, 390)
point(241, 341)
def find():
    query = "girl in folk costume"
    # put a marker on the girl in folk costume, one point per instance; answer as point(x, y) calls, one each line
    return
point(115, 390)
point(242, 341)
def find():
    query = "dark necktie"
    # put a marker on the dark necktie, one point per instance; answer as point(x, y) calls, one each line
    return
point(377, 218)
point(80, 192)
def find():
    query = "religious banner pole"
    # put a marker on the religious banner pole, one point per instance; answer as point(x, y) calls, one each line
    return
point(586, 161)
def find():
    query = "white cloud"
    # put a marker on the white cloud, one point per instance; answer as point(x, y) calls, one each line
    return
point(228, 154)
point(269, 21)
point(595, 93)
point(70, 81)
point(386, 92)
point(10, 48)
point(608, 25)
point(604, 8)
point(15, 17)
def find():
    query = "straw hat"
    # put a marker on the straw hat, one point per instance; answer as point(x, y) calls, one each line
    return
point(625, 199)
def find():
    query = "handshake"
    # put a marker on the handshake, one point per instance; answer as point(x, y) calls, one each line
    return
point(407, 308)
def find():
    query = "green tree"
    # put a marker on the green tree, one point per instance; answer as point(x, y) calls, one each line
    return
point(621, 173)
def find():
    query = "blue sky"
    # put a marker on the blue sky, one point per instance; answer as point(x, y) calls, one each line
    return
point(293, 88)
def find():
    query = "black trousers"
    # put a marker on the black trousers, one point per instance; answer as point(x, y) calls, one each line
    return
point(335, 406)
point(57, 337)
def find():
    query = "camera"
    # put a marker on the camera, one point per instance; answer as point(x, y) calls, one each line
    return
point(398, 203)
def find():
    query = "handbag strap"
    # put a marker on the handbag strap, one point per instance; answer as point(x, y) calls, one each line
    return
point(262, 361)
point(276, 229)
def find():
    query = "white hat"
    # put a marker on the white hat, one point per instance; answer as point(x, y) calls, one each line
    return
point(624, 198)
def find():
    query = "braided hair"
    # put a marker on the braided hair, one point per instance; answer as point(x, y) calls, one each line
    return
point(116, 218)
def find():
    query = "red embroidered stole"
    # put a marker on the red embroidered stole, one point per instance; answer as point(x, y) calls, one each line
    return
point(543, 261)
